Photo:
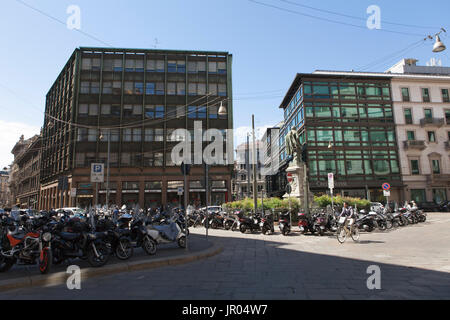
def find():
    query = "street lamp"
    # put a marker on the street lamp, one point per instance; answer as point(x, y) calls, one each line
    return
point(222, 110)
point(439, 45)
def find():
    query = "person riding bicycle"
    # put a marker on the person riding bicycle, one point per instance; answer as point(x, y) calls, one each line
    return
point(346, 211)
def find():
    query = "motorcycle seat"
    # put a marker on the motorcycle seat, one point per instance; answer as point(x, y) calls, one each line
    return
point(69, 235)
point(169, 230)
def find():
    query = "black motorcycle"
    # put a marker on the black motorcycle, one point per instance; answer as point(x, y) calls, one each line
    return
point(78, 239)
point(266, 224)
point(366, 222)
point(118, 237)
point(251, 223)
point(284, 223)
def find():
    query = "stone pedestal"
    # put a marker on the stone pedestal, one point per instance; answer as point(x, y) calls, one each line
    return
point(298, 190)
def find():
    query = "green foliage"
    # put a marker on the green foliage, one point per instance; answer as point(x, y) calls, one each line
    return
point(276, 204)
point(325, 200)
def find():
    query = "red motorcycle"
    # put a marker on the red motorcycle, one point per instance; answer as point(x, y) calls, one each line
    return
point(25, 245)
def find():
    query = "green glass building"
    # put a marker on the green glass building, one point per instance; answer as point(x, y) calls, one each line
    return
point(348, 124)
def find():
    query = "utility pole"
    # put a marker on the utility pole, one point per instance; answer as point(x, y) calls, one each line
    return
point(107, 169)
point(247, 164)
point(255, 188)
point(207, 196)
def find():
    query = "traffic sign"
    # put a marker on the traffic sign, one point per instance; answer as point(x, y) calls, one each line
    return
point(331, 181)
point(180, 191)
point(73, 192)
point(387, 193)
point(98, 172)
point(386, 186)
point(290, 178)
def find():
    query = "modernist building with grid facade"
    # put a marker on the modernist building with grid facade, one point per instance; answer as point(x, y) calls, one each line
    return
point(348, 124)
point(136, 98)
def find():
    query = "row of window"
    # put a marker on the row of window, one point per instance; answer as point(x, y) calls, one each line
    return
point(431, 135)
point(425, 95)
point(152, 65)
point(354, 167)
point(420, 195)
point(151, 111)
point(365, 91)
point(153, 88)
point(415, 167)
point(428, 114)
point(136, 135)
point(127, 159)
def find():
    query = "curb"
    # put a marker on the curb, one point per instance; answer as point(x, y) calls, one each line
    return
point(87, 273)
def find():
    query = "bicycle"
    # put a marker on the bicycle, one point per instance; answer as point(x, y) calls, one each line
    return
point(344, 231)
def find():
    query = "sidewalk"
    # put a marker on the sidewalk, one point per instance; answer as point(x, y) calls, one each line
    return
point(167, 254)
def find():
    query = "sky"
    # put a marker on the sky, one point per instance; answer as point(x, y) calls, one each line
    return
point(269, 45)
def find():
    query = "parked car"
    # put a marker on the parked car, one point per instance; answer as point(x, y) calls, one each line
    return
point(428, 206)
point(444, 206)
point(72, 211)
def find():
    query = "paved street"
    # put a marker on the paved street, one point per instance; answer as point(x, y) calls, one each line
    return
point(414, 263)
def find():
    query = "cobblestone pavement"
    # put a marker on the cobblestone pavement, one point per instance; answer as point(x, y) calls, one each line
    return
point(414, 263)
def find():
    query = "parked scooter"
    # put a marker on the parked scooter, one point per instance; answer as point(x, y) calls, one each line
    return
point(167, 233)
point(266, 224)
point(284, 223)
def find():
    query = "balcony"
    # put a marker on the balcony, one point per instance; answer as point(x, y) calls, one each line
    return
point(437, 122)
point(447, 145)
point(442, 179)
point(414, 145)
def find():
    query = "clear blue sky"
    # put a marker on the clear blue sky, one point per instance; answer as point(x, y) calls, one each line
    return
point(269, 46)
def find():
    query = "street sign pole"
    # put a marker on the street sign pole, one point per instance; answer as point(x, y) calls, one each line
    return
point(331, 186)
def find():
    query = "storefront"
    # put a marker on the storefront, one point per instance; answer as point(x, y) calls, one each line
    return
point(219, 192)
point(197, 193)
point(130, 194)
point(112, 194)
point(85, 195)
point(173, 199)
point(153, 194)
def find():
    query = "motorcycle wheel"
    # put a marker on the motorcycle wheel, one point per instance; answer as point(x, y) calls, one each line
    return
point(319, 231)
point(388, 224)
point(341, 235)
point(149, 246)
point(6, 263)
point(382, 226)
point(286, 231)
point(45, 260)
point(103, 257)
point(182, 242)
point(234, 227)
point(227, 226)
point(264, 230)
point(124, 249)
point(243, 228)
point(214, 225)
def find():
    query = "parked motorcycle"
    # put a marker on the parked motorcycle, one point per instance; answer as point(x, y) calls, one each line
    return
point(251, 223)
point(284, 223)
point(266, 224)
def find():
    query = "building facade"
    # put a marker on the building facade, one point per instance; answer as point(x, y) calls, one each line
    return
point(422, 116)
point(28, 174)
point(5, 194)
point(136, 99)
point(347, 121)
point(243, 171)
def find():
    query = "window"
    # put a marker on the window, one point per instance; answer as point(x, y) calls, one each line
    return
point(118, 64)
point(160, 88)
point(137, 135)
point(83, 109)
point(405, 94)
point(221, 67)
point(171, 88)
point(411, 135)
point(82, 134)
point(139, 88)
point(160, 66)
point(92, 135)
point(154, 112)
point(431, 136)
point(107, 87)
point(212, 67)
point(426, 95)
point(126, 135)
point(153, 160)
point(197, 112)
point(418, 195)
point(115, 110)
point(408, 116)
point(150, 88)
point(151, 65)
point(415, 167)
point(439, 195)
point(117, 87)
point(445, 96)
point(222, 88)
point(447, 116)
point(181, 88)
point(428, 114)
point(436, 167)
point(127, 110)
point(93, 109)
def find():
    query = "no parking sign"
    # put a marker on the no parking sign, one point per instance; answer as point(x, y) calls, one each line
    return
point(386, 186)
